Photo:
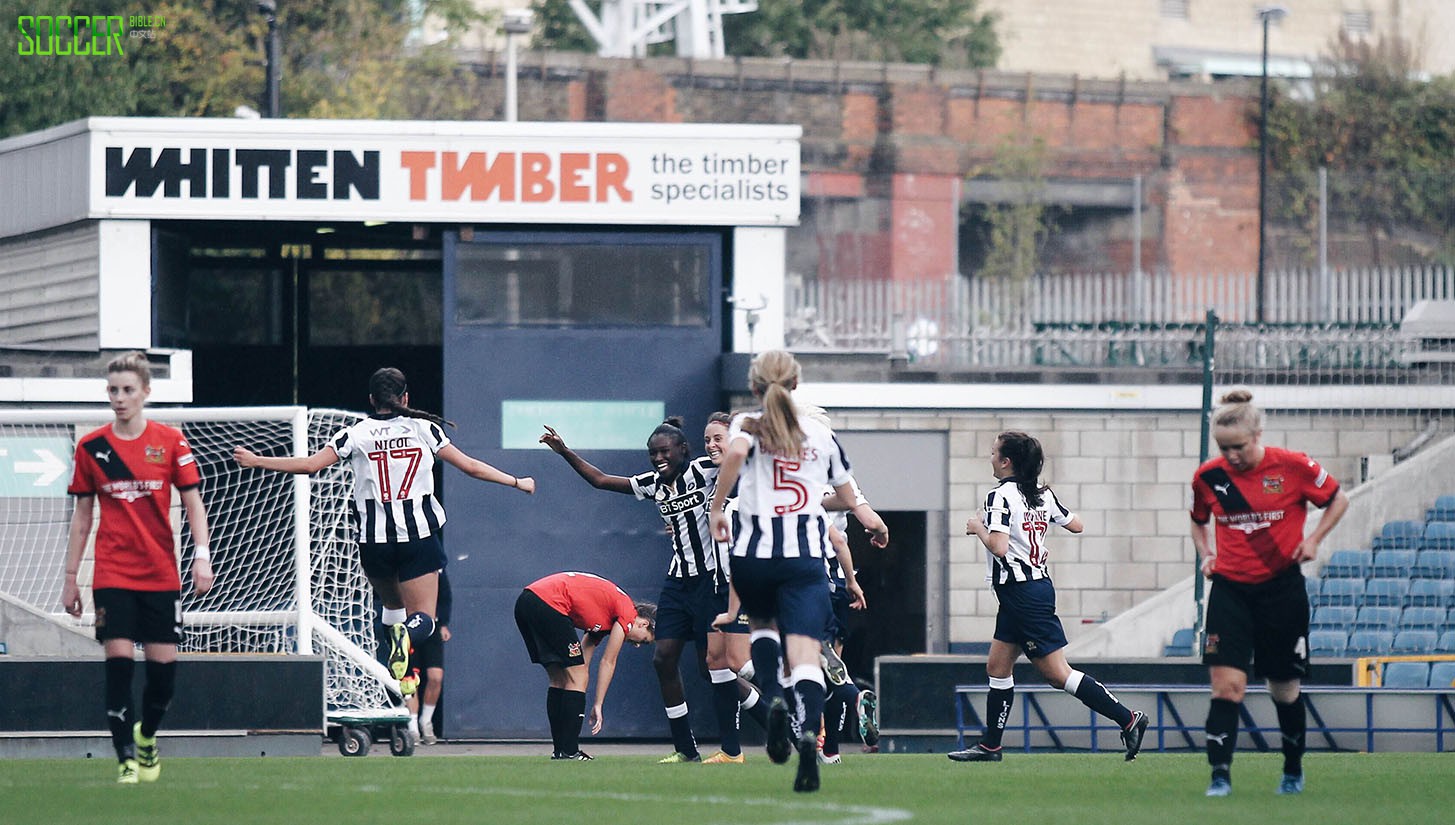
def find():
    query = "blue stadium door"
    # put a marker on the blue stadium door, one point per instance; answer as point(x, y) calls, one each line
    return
point(600, 335)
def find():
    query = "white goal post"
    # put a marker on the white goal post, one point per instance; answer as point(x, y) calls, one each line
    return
point(283, 548)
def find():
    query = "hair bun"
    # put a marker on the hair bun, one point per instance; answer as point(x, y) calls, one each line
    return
point(1237, 396)
point(674, 420)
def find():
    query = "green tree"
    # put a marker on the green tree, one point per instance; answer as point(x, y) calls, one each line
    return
point(1016, 228)
point(1385, 135)
point(948, 33)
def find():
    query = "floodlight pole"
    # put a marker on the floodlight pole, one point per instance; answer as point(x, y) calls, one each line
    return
point(1265, 14)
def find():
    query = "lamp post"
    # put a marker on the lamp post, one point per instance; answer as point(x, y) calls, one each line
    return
point(271, 106)
point(1266, 14)
point(517, 21)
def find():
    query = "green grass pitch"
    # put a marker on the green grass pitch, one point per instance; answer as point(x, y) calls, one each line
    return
point(1165, 789)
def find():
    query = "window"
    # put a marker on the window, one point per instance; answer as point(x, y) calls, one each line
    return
point(627, 281)
point(1175, 9)
point(1359, 24)
point(374, 308)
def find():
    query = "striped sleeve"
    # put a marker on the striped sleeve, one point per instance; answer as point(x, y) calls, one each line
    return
point(341, 443)
point(1058, 512)
point(644, 485)
point(997, 512)
point(839, 469)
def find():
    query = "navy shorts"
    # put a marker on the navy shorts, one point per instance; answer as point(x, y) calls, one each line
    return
point(1258, 628)
point(838, 628)
point(1027, 617)
point(402, 560)
point(687, 606)
point(139, 615)
point(430, 654)
point(549, 636)
point(794, 592)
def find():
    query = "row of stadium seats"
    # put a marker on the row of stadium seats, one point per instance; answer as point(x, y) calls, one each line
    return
point(1416, 535)
point(1382, 618)
point(1332, 642)
point(1418, 674)
point(1431, 563)
point(1385, 592)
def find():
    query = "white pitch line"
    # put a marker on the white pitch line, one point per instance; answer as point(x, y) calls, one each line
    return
point(835, 814)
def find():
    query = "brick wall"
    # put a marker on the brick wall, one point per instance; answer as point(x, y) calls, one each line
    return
point(1193, 144)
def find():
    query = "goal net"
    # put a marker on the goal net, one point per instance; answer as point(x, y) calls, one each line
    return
point(283, 547)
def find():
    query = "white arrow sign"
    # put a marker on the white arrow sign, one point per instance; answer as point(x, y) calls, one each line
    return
point(47, 469)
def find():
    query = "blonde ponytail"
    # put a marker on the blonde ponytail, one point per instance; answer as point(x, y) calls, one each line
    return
point(773, 376)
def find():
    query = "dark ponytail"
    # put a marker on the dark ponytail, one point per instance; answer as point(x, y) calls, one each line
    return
point(1027, 459)
point(386, 390)
point(672, 426)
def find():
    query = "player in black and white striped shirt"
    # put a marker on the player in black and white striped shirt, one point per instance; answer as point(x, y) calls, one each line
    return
point(392, 453)
point(695, 590)
point(1018, 512)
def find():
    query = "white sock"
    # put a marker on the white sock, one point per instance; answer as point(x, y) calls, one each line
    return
point(426, 717)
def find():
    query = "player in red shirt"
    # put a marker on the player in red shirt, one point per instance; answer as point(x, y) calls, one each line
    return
point(132, 465)
point(549, 612)
point(1257, 614)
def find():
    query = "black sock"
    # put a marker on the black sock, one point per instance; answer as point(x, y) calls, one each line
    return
point(118, 706)
point(725, 704)
point(836, 711)
point(1222, 736)
point(795, 710)
point(1094, 695)
point(682, 739)
point(156, 697)
point(553, 715)
point(767, 655)
point(758, 711)
point(573, 713)
point(811, 697)
point(997, 710)
point(1293, 723)
point(421, 627)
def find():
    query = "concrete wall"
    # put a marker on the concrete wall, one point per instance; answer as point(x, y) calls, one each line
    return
point(28, 632)
point(1127, 474)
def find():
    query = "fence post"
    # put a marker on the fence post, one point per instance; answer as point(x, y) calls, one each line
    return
point(1209, 341)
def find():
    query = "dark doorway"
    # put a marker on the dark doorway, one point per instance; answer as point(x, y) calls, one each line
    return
point(894, 588)
point(300, 313)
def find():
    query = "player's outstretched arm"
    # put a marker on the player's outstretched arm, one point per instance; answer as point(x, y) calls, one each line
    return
point(197, 523)
point(594, 476)
point(475, 468)
point(605, 672)
point(308, 465)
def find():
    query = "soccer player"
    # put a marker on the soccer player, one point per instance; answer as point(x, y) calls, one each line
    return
point(695, 590)
point(429, 660)
point(783, 460)
point(132, 465)
point(1017, 514)
point(549, 612)
point(392, 453)
point(727, 644)
point(1257, 609)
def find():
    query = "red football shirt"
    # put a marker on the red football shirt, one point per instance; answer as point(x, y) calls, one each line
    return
point(133, 481)
point(591, 602)
point(1261, 512)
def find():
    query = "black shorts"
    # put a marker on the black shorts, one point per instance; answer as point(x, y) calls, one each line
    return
point(1259, 628)
point(838, 629)
point(792, 591)
point(687, 606)
point(549, 636)
point(139, 615)
point(430, 654)
point(402, 560)
point(1027, 617)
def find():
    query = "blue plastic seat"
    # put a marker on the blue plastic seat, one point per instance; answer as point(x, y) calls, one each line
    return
point(1415, 641)
point(1406, 675)
point(1370, 642)
point(1439, 535)
point(1393, 564)
point(1181, 644)
point(1422, 618)
point(1333, 617)
point(1399, 535)
point(1446, 644)
point(1386, 592)
point(1311, 586)
point(1373, 617)
point(1434, 564)
point(1442, 675)
point(1328, 642)
point(1431, 593)
point(1348, 592)
point(1444, 509)
point(1352, 564)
